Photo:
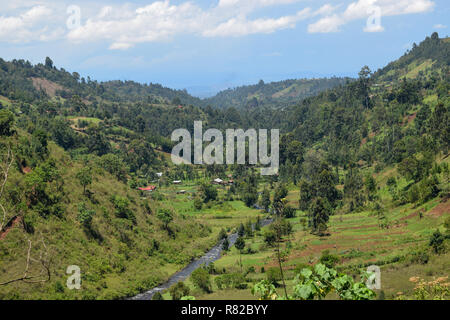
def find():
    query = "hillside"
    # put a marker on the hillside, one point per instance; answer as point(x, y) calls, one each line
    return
point(273, 94)
point(430, 57)
point(364, 174)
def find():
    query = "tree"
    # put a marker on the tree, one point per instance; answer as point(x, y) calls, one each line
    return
point(84, 176)
point(209, 192)
point(265, 199)
point(179, 290)
point(353, 189)
point(226, 245)
point(122, 206)
point(364, 85)
point(319, 214)
point(240, 245)
point(437, 242)
point(371, 186)
point(85, 215)
point(288, 212)
point(328, 259)
point(157, 296)
point(222, 234)
point(198, 203)
point(6, 122)
point(165, 216)
point(201, 279)
point(241, 230)
point(48, 63)
point(114, 165)
point(306, 195)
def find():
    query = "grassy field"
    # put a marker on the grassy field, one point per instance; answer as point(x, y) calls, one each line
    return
point(356, 238)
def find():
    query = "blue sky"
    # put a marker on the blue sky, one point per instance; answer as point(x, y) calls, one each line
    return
point(206, 46)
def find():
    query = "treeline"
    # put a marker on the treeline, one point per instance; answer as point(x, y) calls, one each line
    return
point(274, 94)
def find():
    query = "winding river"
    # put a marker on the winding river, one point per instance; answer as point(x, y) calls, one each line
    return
point(211, 256)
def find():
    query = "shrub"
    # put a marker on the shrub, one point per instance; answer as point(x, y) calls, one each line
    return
point(289, 212)
point(198, 203)
point(230, 281)
point(273, 275)
point(85, 215)
point(329, 260)
point(6, 122)
point(165, 216)
point(122, 206)
point(202, 280)
point(437, 242)
point(157, 296)
point(179, 290)
point(420, 256)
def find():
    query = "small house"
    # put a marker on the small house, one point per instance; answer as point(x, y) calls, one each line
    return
point(148, 189)
point(177, 182)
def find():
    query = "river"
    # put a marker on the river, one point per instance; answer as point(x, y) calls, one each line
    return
point(212, 255)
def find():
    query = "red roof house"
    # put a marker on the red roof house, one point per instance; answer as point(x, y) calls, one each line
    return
point(149, 188)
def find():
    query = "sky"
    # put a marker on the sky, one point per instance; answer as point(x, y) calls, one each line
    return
point(207, 46)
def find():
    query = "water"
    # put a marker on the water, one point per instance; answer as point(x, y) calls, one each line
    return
point(212, 255)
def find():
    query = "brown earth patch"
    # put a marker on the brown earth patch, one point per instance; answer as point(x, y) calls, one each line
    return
point(409, 118)
point(26, 170)
point(49, 87)
point(358, 227)
point(11, 224)
point(440, 209)
point(412, 215)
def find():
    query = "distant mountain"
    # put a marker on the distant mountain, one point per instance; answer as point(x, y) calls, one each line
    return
point(19, 79)
point(274, 94)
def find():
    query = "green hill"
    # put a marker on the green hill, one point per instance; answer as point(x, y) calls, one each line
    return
point(364, 173)
point(274, 94)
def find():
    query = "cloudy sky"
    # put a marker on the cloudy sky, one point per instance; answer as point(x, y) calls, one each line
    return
point(206, 46)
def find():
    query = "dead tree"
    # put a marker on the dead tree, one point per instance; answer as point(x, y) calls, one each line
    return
point(44, 260)
point(5, 166)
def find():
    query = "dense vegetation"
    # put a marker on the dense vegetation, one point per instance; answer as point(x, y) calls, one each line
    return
point(74, 151)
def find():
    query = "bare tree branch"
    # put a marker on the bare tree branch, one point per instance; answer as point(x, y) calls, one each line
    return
point(44, 274)
point(5, 167)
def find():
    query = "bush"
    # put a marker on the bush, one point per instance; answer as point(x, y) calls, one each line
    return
point(85, 215)
point(289, 212)
point(122, 206)
point(420, 256)
point(165, 216)
point(202, 280)
point(273, 275)
point(6, 122)
point(179, 290)
point(329, 260)
point(230, 281)
point(157, 296)
point(198, 203)
point(437, 242)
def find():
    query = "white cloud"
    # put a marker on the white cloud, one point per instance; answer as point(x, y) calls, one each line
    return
point(364, 9)
point(124, 26)
point(241, 26)
point(162, 20)
point(25, 27)
point(439, 26)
